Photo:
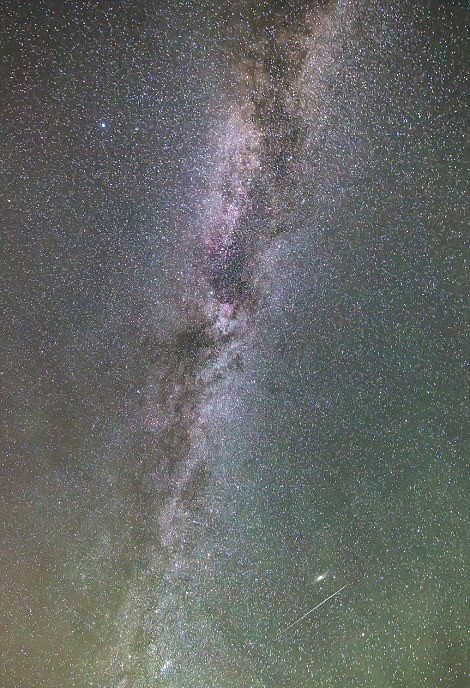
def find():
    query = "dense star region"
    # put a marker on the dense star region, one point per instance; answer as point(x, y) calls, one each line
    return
point(234, 357)
point(259, 144)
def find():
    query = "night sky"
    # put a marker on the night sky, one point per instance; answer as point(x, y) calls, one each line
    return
point(234, 411)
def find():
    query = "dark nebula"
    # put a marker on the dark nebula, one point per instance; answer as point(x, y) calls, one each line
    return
point(226, 274)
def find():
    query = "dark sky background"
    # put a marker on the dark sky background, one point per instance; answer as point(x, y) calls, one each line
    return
point(235, 359)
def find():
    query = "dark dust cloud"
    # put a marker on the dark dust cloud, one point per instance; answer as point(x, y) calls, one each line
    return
point(235, 361)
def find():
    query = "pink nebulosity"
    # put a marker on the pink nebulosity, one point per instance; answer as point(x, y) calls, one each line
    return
point(228, 198)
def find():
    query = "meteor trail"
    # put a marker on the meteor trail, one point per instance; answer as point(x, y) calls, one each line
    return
point(320, 604)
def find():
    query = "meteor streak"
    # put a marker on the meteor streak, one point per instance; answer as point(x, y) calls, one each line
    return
point(320, 604)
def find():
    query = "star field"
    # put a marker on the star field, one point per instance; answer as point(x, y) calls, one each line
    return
point(234, 429)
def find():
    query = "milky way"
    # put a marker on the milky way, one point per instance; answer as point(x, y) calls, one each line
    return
point(258, 146)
